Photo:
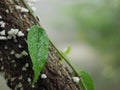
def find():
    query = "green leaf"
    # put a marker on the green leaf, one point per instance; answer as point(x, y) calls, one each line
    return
point(38, 44)
point(86, 81)
point(67, 50)
point(65, 53)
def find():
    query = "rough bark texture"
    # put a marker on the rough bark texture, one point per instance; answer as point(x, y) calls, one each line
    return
point(18, 71)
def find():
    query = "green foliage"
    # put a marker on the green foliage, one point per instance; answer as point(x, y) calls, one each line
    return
point(67, 50)
point(65, 53)
point(38, 44)
point(86, 81)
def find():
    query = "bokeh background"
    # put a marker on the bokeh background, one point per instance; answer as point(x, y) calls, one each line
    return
point(92, 29)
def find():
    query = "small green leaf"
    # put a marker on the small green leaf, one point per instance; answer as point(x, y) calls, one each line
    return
point(65, 53)
point(86, 81)
point(67, 50)
point(38, 44)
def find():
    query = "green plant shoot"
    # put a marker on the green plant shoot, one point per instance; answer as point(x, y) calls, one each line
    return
point(67, 50)
point(38, 44)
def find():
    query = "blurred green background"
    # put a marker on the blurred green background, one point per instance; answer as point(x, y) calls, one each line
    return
point(92, 29)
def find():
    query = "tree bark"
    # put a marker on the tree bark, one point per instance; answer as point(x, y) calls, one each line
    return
point(16, 69)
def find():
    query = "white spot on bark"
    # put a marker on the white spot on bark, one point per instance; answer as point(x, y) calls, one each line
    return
point(18, 56)
point(13, 61)
point(18, 86)
point(33, 8)
point(0, 17)
point(7, 11)
point(20, 78)
point(20, 46)
point(24, 16)
point(24, 10)
point(9, 58)
point(12, 79)
point(3, 25)
point(3, 38)
point(2, 67)
point(17, 7)
point(26, 65)
point(28, 29)
point(76, 79)
point(1, 59)
point(29, 79)
point(1, 22)
point(9, 37)
point(20, 34)
point(24, 68)
point(43, 76)
point(12, 52)
point(24, 53)
point(33, 86)
point(2, 32)
point(13, 32)
point(6, 47)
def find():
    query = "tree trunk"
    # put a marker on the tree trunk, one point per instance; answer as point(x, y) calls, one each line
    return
point(15, 62)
